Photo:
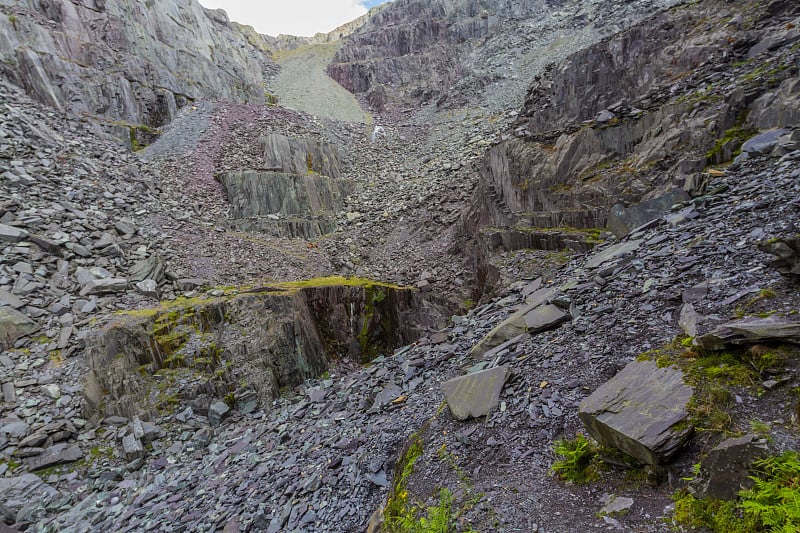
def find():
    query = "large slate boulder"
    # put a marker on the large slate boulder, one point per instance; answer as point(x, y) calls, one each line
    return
point(475, 395)
point(17, 492)
point(642, 411)
point(534, 317)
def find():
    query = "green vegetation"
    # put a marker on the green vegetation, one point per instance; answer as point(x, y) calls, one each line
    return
point(714, 373)
point(578, 460)
point(771, 505)
point(401, 515)
point(735, 136)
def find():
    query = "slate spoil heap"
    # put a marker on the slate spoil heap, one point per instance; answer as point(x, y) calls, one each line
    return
point(190, 341)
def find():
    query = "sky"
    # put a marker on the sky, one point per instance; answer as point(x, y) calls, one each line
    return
point(293, 17)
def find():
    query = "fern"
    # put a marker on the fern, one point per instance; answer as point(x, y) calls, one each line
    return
point(774, 498)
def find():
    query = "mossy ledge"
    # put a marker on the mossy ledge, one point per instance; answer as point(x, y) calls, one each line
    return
point(262, 337)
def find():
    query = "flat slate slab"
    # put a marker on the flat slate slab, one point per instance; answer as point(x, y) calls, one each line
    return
point(641, 411)
point(55, 455)
point(613, 252)
point(545, 317)
point(475, 395)
point(750, 331)
point(519, 323)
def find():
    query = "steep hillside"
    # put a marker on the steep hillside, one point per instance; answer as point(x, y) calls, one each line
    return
point(565, 218)
point(128, 61)
point(482, 53)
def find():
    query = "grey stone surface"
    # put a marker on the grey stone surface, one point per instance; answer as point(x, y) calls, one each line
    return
point(475, 395)
point(14, 325)
point(545, 317)
point(217, 412)
point(17, 492)
point(763, 143)
point(622, 220)
point(641, 411)
point(104, 286)
point(612, 252)
point(55, 455)
point(751, 330)
point(132, 447)
point(726, 468)
point(12, 234)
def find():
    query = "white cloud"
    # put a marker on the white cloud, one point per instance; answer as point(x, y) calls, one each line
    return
point(293, 17)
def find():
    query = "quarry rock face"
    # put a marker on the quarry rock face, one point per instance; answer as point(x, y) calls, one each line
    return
point(130, 62)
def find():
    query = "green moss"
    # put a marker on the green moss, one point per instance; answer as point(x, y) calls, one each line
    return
point(736, 136)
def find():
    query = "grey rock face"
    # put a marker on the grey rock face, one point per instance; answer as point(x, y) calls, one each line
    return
point(55, 455)
point(763, 143)
point(17, 492)
point(136, 62)
point(641, 411)
point(300, 155)
point(14, 325)
point(475, 395)
point(286, 205)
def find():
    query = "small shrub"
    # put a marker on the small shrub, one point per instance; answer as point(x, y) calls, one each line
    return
point(578, 460)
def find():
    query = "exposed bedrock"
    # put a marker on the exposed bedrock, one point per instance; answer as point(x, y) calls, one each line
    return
point(129, 62)
point(247, 343)
point(297, 193)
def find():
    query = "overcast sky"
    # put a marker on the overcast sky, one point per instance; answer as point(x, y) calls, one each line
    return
point(293, 17)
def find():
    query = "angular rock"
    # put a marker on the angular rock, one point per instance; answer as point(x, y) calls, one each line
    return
point(641, 411)
point(751, 330)
point(217, 412)
point(14, 325)
point(148, 288)
point(55, 455)
point(612, 252)
point(6, 298)
point(689, 320)
point(386, 396)
point(189, 284)
point(763, 143)
point(104, 286)
point(544, 318)
point(725, 470)
point(132, 447)
point(475, 395)
point(154, 268)
point(12, 234)
point(17, 492)
point(515, 325)
point(787, 252)
point(622, 220)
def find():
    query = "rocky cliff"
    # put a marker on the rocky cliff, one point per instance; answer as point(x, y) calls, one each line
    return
point(128, 61)
point(484, 53)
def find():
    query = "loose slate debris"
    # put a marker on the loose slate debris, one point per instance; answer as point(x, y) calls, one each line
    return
point(641, 411)
point(475, 395)
point(751, 330)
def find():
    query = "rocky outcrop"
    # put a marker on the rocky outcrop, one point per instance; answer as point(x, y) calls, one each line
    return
point(261, 339)
point(297, 194)
point(646, 120)
point(127, 61)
